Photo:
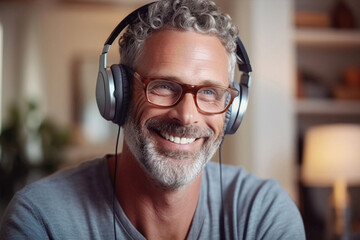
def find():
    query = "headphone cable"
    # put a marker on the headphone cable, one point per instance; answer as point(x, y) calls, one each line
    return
point(114, 184)
point(222, 213)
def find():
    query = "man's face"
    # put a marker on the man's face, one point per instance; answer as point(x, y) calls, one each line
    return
point(173, 144)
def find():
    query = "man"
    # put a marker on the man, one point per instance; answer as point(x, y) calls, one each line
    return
point(181, 56)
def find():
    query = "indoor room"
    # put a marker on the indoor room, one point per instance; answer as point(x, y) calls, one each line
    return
point(301, 128)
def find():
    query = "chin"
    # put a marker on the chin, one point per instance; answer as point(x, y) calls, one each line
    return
point(173, 171)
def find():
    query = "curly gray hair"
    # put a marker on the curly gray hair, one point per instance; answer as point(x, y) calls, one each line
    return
point(202, 16)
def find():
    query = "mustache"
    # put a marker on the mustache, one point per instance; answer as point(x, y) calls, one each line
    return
point(177, 129)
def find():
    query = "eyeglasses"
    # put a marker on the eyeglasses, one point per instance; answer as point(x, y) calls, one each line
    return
point(209, 99)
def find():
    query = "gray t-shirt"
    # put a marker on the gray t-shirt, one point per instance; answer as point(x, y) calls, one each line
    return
point(77, 204)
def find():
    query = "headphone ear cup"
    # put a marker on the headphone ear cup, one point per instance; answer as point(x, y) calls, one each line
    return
point(104, 93)
point(227, 121)
point(236, 111)
point(232, 112)
point(122, 77)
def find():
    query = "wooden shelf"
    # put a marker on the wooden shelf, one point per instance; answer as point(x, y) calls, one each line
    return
point(327, 37)
point(328, 107)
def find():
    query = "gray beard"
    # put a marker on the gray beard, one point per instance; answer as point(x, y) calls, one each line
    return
point(170, 169)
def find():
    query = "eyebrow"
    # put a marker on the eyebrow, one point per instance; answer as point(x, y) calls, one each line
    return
point(206, 82)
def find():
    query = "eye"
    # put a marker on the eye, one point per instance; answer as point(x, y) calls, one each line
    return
point(162, 88)
point(210, 94)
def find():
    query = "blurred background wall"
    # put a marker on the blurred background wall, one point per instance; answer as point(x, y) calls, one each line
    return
point(49, 61)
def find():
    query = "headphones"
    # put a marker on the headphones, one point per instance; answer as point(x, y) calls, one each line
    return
point(113, 94)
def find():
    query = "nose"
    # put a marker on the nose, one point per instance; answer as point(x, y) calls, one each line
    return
point(185, 112)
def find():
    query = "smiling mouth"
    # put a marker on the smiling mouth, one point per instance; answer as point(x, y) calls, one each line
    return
point(177, 140)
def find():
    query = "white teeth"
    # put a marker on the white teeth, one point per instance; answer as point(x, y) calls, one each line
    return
point(177, 140)
point(183, 141)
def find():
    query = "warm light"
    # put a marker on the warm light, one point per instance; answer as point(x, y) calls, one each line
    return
point(340, 194)
point(340, 203)
point(331, 152)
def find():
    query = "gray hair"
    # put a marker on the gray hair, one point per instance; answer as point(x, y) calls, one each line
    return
point(202, 16)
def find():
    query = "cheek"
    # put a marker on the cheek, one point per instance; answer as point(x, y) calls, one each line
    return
point(216, 123)
point(141, 110)
point(139, 103)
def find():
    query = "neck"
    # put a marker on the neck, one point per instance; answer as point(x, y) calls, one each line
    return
point(148, 205)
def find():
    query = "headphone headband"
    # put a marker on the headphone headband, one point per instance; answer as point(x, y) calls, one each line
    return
point(125, 22)
point(242, 57)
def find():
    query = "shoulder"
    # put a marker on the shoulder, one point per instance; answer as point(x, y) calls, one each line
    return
point(261, 207)
point(235, 178)
point(238, 182)
point(50, 202)
point(64, 181)
point(76, 184)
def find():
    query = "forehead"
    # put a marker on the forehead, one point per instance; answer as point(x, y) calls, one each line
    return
point(187, 56)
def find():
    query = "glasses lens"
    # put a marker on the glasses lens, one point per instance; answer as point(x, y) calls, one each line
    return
point(162, 92)
point(213, 99)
